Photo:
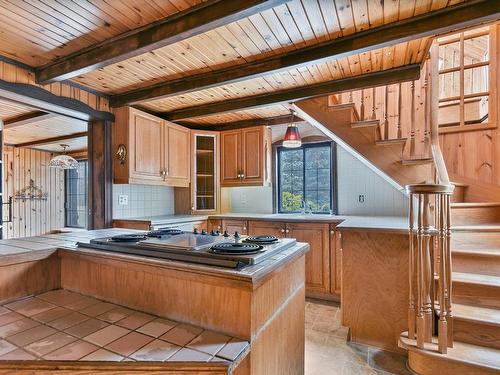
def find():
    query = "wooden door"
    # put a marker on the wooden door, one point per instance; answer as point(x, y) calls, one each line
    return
point(235, 226)
point(178, 161)
point(231, 158)
point(271, 228)
point(252, 155)
point(318, 258)
point(146, 144)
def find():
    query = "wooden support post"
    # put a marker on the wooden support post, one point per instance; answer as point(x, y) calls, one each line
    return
point(400, 103)
point(412, 125)
point(100, 180)
point(411, 273)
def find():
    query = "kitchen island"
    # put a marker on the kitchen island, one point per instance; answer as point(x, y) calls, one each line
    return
point(262, 304)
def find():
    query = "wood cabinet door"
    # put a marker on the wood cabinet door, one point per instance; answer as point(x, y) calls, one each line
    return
point(214, 224)
point(230, 158)
point(262, 228)
point(232, 226)
point(318, 258)
point(252, 155)
point(178, 156)
point(146, 145)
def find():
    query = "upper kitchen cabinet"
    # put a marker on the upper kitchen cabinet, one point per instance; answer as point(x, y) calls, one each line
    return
point(246, 157)
point(148, 150)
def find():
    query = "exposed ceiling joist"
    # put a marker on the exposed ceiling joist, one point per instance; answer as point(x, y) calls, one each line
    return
point(48, 141)
point(197, 20)
point(270, 121)
point(28, 118)
point(395, 75)
point(433, 23)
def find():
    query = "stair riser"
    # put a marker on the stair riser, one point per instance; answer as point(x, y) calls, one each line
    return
point(471, 240)
point(431, 365)
point(477, 263)
point(476, 333)
point(475, 215)
point(458, 194)
point(476, 294)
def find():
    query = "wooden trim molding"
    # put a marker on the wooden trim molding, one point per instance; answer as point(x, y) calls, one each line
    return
point(395, 75)
point(42, 99)
point(194, 21)
point(428, 24)
point(271, 121)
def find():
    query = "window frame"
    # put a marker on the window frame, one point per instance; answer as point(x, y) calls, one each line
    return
point(460, 37)
point(333, 175)
point(87, 168)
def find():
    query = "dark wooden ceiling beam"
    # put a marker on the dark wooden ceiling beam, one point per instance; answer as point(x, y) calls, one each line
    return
point(395, 75)
point(48, 141)
point(428, 24)
point(197, 20)
point(270, 121)
point(25, 119)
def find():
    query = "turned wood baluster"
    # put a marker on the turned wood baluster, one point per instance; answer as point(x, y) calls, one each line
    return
point(443, 324)
point(420, 277)
point(412, 126)
point(411, 274)
point(447, 256)
point(427, 269)
point(427, 112)
point(386, 115)
point(374, 115)
point(400, 101)
point(362, 109)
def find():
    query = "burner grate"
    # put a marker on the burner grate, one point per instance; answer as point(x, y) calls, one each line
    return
point(229, 248)
point(129, 237)
point(164, 232)
point(262, 240)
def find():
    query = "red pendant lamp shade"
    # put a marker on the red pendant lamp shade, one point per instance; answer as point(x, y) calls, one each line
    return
point(292, 136)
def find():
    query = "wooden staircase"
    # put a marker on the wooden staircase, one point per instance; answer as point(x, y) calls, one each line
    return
point(341, 122)
point(475, 250)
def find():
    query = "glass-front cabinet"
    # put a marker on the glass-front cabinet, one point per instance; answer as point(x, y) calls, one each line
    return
point(205, 181)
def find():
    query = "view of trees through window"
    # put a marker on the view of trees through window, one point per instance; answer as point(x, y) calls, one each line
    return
point(305, 178)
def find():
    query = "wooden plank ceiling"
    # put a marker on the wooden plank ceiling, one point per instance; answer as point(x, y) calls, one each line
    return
point(38, 32)
point(10, 110)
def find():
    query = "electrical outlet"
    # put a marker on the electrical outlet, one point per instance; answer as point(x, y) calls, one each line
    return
point(361, 198)
point(123, 200)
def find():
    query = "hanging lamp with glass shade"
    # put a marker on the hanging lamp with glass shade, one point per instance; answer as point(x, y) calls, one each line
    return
point(292, 136)
point(63, 161)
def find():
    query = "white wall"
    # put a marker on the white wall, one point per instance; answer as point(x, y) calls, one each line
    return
point(251, 199)
point(143, 200)
point(355, 179)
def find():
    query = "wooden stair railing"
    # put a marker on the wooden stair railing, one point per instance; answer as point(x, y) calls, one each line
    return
point(430, 260)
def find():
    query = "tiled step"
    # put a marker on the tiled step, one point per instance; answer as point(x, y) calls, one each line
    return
point(476, 289)
point(476, 325)
point(480, 261)
point(462, 359)
point(475, 213)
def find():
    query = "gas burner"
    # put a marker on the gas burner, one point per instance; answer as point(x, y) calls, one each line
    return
point(261, 240)
point(229, 248)
point(134, 237)
point(164, 232)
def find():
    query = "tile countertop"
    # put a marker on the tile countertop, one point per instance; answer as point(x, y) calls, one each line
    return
point(63, 325)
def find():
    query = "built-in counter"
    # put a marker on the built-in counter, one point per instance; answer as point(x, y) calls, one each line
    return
point(262, 304)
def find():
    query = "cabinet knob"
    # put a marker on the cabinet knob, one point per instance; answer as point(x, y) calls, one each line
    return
point(219, 227)
point(332, 232)
point(244, 228)
point(287, 231)
point(282, 231)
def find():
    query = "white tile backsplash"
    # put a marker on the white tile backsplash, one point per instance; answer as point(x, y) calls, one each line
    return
point(252, 199)
point(143, 200)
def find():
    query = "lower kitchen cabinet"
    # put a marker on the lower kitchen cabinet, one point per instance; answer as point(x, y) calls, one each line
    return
point(323, 261)
point(231, 225)
point(318, 257)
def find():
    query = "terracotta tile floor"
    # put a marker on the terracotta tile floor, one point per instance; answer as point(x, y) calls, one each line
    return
point(47, 327)
point(328, 353)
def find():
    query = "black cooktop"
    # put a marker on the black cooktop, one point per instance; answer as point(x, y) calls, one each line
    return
point(131, 237)
point(262, 240)
point(238, 248)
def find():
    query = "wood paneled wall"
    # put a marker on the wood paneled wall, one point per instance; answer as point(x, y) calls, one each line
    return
point(32, 217)
point(16, 74)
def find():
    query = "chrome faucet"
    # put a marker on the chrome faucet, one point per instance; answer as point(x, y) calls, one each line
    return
point(303, 207)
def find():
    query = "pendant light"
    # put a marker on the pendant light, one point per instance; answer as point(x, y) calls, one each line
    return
point(63, 161)
point(292, 136)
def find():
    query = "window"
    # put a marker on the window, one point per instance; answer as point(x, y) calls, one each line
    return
point(76, 196)
point(464, 69)
point(305, 175)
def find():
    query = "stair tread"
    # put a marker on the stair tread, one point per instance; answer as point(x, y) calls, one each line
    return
point(476, 251)
point(475, 278)
point(480, 356)
point(493, 227)
point(417, 161)
point(391, 141)
point(365, 124)
point(474, 204)
point(476, 313)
